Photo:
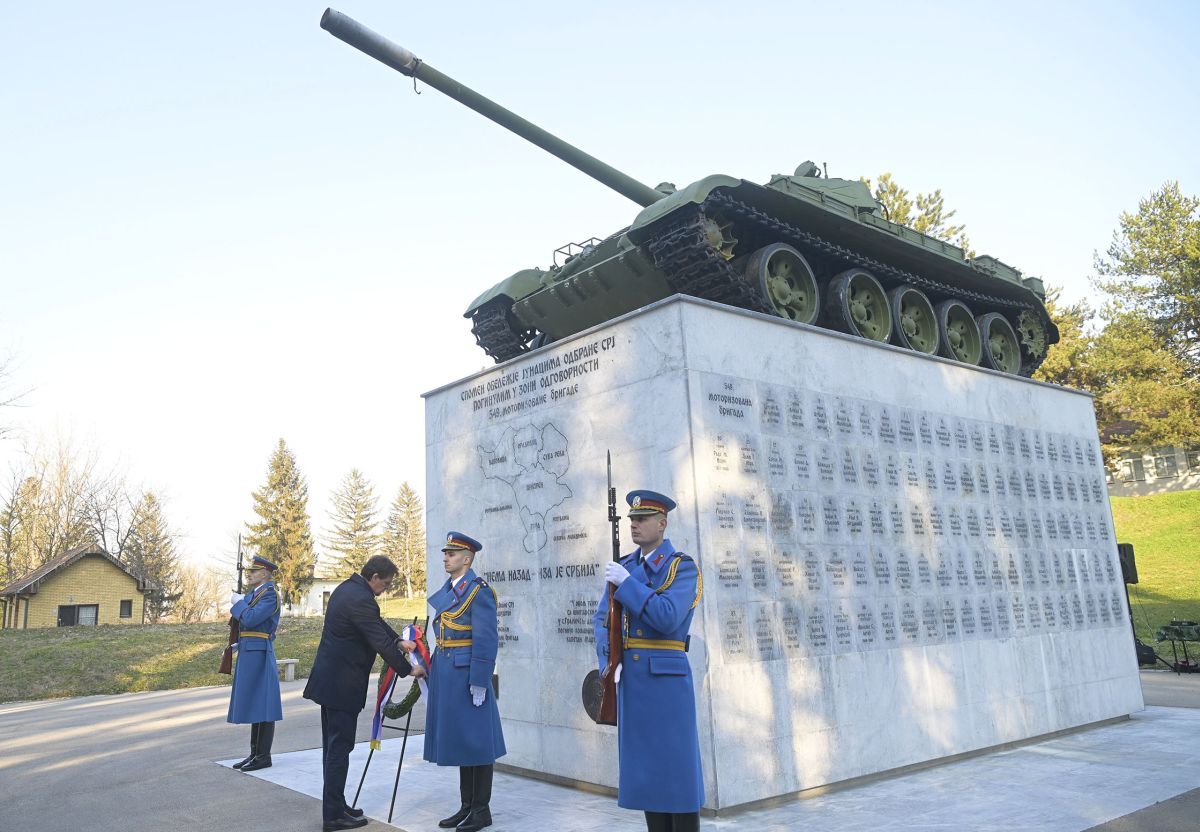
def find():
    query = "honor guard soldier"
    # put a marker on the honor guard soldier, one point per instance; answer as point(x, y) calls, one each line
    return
point(255, 697)
point(462, 722)
point(659, 749)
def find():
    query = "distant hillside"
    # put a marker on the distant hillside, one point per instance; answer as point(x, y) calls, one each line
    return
point(1165, 532)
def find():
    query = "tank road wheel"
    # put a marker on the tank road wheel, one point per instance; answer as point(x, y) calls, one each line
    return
point(913, 322)
point(498, 331)
point(1000, 349)
point(786, 281)
point(959, 333)
point(856, 303)
point(1031, 332)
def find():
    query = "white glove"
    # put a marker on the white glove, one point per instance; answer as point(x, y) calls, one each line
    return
point(234, 598)
point(617, 674)
point(615, 573)
point(477, 695)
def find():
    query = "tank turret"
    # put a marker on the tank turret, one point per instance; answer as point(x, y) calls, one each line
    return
point(809, 248)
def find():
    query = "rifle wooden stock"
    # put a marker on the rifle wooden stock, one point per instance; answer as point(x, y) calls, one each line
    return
point(227, 656)
point(235, 630)
point(608, 699)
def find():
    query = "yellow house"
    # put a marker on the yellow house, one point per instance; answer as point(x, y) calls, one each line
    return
point(85, 586)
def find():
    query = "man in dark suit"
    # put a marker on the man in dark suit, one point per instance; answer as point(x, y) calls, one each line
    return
point(353, 634)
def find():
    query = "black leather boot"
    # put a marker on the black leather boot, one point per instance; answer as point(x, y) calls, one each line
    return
point(685, 822)
point(658, 822)
point(253, 746)
point(464, 795)
point(481, 796)
point(266, 734)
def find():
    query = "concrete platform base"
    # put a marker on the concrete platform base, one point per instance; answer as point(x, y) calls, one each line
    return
point(1069, 783)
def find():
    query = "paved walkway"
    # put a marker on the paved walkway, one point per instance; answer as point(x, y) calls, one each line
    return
point(145, 763)
point(1066, 784)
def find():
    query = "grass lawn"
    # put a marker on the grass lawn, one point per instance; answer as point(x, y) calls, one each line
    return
point(1165, 532)
point(80, 661)
point(400, 611)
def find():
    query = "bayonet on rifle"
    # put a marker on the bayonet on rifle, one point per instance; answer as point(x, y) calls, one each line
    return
point(226, 666)
point(608, 699)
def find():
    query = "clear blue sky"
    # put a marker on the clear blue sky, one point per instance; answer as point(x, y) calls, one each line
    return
point(219, 226)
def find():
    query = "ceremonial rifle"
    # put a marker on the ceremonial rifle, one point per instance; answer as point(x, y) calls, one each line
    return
point(234, 626)
point(608, 697)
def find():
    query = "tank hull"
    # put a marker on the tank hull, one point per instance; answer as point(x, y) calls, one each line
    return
point(643, 263)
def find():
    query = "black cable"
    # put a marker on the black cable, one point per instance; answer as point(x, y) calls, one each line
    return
point(1145, 619)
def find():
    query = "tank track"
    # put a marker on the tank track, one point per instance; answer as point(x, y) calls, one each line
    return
point(693, 267)
point(491, 325)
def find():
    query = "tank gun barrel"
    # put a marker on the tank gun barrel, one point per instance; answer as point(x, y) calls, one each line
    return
point(347, 29)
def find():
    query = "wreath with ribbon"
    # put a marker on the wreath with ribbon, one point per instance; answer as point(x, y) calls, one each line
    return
point(393, 709)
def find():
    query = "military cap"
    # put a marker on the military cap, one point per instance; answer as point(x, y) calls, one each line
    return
point(258, 562)
point(458, 540)
point(643, 503)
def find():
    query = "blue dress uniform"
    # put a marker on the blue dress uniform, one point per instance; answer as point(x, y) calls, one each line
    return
point(457, 732)
point(255, 697)
point(659, 749)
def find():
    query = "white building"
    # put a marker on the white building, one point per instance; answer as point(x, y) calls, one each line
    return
point(315, 599)
point(1155, 471)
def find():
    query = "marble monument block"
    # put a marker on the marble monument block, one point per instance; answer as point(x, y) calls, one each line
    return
point(903, 558)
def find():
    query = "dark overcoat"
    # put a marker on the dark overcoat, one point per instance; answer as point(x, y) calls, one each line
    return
point(659, 749)
point(354, 633)
point(456, 732)
point(255, 696)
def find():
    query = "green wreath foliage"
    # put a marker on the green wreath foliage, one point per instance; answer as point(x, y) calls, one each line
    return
point(395, 710)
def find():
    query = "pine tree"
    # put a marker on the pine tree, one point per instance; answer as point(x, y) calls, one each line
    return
point(149, 551)
point(283, 533)
point(1067, 362)
point(1145, 394)
point(925, 213)
point(354, 538)
point(1152, 268)
point(404, 539)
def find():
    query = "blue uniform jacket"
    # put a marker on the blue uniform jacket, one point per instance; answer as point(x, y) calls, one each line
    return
point(464, 626)
point(659, 749)
point(255, 696)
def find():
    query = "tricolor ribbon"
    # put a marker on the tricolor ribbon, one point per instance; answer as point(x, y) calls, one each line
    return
point(418, 658)
point(384, 694)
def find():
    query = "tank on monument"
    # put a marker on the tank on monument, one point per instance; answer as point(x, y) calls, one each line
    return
point(803, 246)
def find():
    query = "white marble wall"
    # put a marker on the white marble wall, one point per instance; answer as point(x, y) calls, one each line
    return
point(868, 602)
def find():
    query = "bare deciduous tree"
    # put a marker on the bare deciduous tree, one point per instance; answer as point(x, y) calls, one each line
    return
point(201, 592)
point(111, 507)
point(56, 498)
point(44, 512)
point(7, 397)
